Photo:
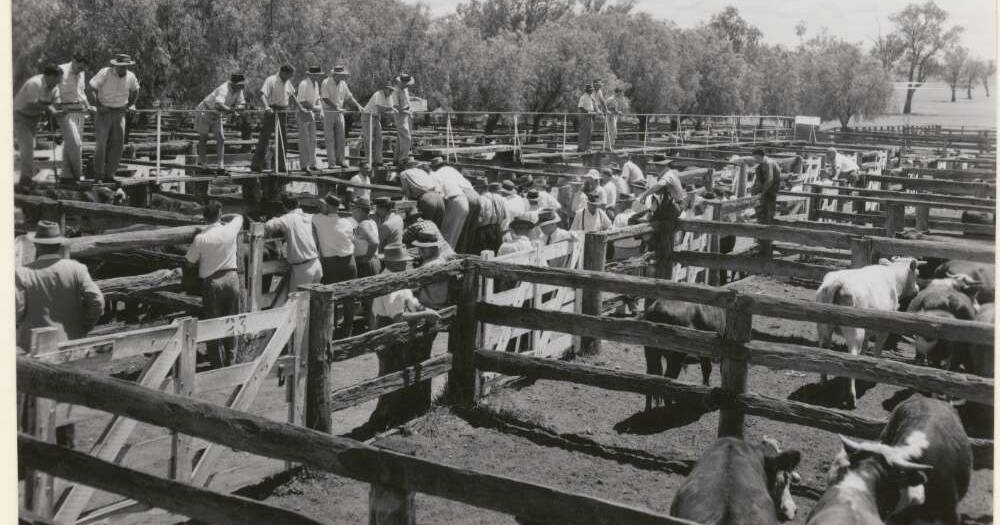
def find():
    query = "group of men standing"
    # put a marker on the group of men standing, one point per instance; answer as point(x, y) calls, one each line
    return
point(594, 103)
point(62, 92)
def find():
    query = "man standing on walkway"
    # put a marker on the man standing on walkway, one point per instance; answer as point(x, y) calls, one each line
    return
point(617, 106)
point(308, 98)
point(53, 291)
point(601, 104)
point(227, 98)
point(335, 95)
point(277, 93)
point(36, 99)
point(371, 125)
point(400, 100)
point(585, 122)
point(73, 101)
point(213, 255)
point(300, 247)
point(114, 91)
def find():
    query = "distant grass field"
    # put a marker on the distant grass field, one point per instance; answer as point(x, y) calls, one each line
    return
point(932, 105)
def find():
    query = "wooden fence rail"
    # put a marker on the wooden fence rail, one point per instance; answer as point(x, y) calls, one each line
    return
point(380, 467)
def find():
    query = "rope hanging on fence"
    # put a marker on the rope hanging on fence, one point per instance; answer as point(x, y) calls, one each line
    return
point(449, 140)
point(371, 138)
point(565, 125)
point(277, 142)
point(158, 141)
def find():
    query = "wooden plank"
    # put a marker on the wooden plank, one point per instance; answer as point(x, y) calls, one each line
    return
point(124, 344)
point(322, 321)
point(184, 385)
point(974, 189)
point(512, 364)
point(180, 498)
point(771, 232)
point(273, 267)
point(387, 282)
point(921, 378)
point(341, 456)
point(902, 202)
point(594, 259)
point(92, 245)
point(96, 209)
point(136, 283)
point(935, 248)
point(376, 340)
point(736, 330)
point(850, 229)
point(829, 419)
point(629, 331)
point(246, 323)
point(382, 385)
point(909, 195)
point(967, 175)
point(754, 264)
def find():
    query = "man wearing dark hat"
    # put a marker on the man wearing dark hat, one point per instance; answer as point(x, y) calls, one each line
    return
point(277, 92)
point(592, 217)
point(73, 101)
point(585, 122)
point(516, 205)
point(300, 245)
point(492, 214)
point(308, 97)
point(54, 292)
point(114, 90)
point(551, 233)
point(212, 255)
point(521, 227)
point(371, 125)
point(36, 99)
point(366, 241)
point(336, 95)
point(227, 98)
point(609, 187)
point(767, 182)
point(400, 100)
point(390, 224)
point(451, 180)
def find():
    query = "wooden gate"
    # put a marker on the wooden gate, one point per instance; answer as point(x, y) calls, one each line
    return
point(165, 357)
point(566, 254)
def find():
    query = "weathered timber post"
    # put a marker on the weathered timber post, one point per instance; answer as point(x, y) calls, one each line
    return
point(184, 377)
point(862, 252)
point(741, 182)
point(322, 313)
point(39, 488)
point(895, 216)
point(815, 203)
point(736, 331)
point(299, 351)
point(769, 205)
point(923, 218)
point(594, 258)
point(714, 275)
point(709, 180)
point(462, 378)
point(254, 268)
point(858, 205)
point(390, 506)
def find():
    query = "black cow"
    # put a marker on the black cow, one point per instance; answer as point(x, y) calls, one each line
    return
point(736, 482)
point(978, 217)
point(979, 272)
point(950, 298)
point(920, 469)
point(688, 315)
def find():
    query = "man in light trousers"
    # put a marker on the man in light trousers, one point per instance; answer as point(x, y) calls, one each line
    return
point(73, 98)
point(400, 100)
point(335, 94)
point(371, 126)
point(308, 96)
point(114, 90)
point(36, 99)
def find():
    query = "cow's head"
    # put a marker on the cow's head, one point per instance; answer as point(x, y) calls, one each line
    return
point(899, 482)
point(780, 469)
point(905, 269)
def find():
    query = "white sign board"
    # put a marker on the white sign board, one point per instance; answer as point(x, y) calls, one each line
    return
point(807, 121)
point(418, 104)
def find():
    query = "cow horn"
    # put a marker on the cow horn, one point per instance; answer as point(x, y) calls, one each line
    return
point(850, 445)
point(909, 465)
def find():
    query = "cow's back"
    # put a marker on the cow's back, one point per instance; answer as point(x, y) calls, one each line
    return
point(982, 272)
point(728, 485)
point(870, 287)
point(677, 313)
point(947, 449)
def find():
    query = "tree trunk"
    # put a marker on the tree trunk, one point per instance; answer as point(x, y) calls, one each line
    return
point(952, 93)
point(968, 91)
point(843, 123)
point(909, 100)
point(536, 121)
point(491, 123)
point(986, 86)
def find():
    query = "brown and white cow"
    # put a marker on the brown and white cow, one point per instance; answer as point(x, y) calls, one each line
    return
point(688, 315)
point(875, 287)
point(738, 482)
point(981, 273)
point(918, 471)
point(950, 298)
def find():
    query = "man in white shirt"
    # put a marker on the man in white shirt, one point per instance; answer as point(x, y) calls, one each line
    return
point(585, 122)
point(227, 98)
point(521, 227)
point(363, 176)
point(213, 254)
point(841, 166)
point(551, 233)
point(516, 205)
point(442, 171)
point(422, 187)
point(334, 237)
point(632, 174)
point(456, 204)
point(371, 125)
point(591, 184)
point(545, 199)
point(632, 246)
point(492, 215)
point(609, 187)
point(73, 100)
point(592, 217)
point(400, 100)
point(336, 94)
point(37, 98)
point(618, 105)
point(276, 93)
point(114, 91)
point(300, 245)
point(308, 97)
point(621, 187)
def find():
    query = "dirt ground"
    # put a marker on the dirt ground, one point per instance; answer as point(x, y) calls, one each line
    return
point(610, 419)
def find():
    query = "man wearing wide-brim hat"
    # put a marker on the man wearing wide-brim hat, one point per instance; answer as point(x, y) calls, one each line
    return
point(400, 100)
point(114, 90)
point(492, 215)
point(227, 98)
point(371, 125)
point(520, 227)
point(36, 99)
point(334, 236)
point(277, 93)
point(308, 96)
point(390, 224)
point(592, 217)
point(551, 233)
point(53, 291)
point(587, 107)
point(336, 95)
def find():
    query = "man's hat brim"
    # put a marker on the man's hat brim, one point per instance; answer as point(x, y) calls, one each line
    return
point(46, 240)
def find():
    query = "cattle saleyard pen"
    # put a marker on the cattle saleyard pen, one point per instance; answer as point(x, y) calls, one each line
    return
point(160, 434)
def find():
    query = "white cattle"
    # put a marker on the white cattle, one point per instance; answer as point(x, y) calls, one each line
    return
point(876, 287)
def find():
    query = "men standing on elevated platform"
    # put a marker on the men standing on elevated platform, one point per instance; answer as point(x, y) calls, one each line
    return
point(371, 125)
point(336, 94)
point(212, 255)
point(400, 100)
point(73, 101)
point(227, 98)
point(585, 122)
point(308, 97)
point(36, 99)
point(277, 93)
point(115, 90)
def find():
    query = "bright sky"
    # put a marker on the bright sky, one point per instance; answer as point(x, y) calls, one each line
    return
point(853, 20)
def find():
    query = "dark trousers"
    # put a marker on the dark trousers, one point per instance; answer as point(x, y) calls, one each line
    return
point(220, 296)
point(264, 142)
point(336, 270)
point(412, 401)
point(467, 242)
point(488, 237)
point(431, 207)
